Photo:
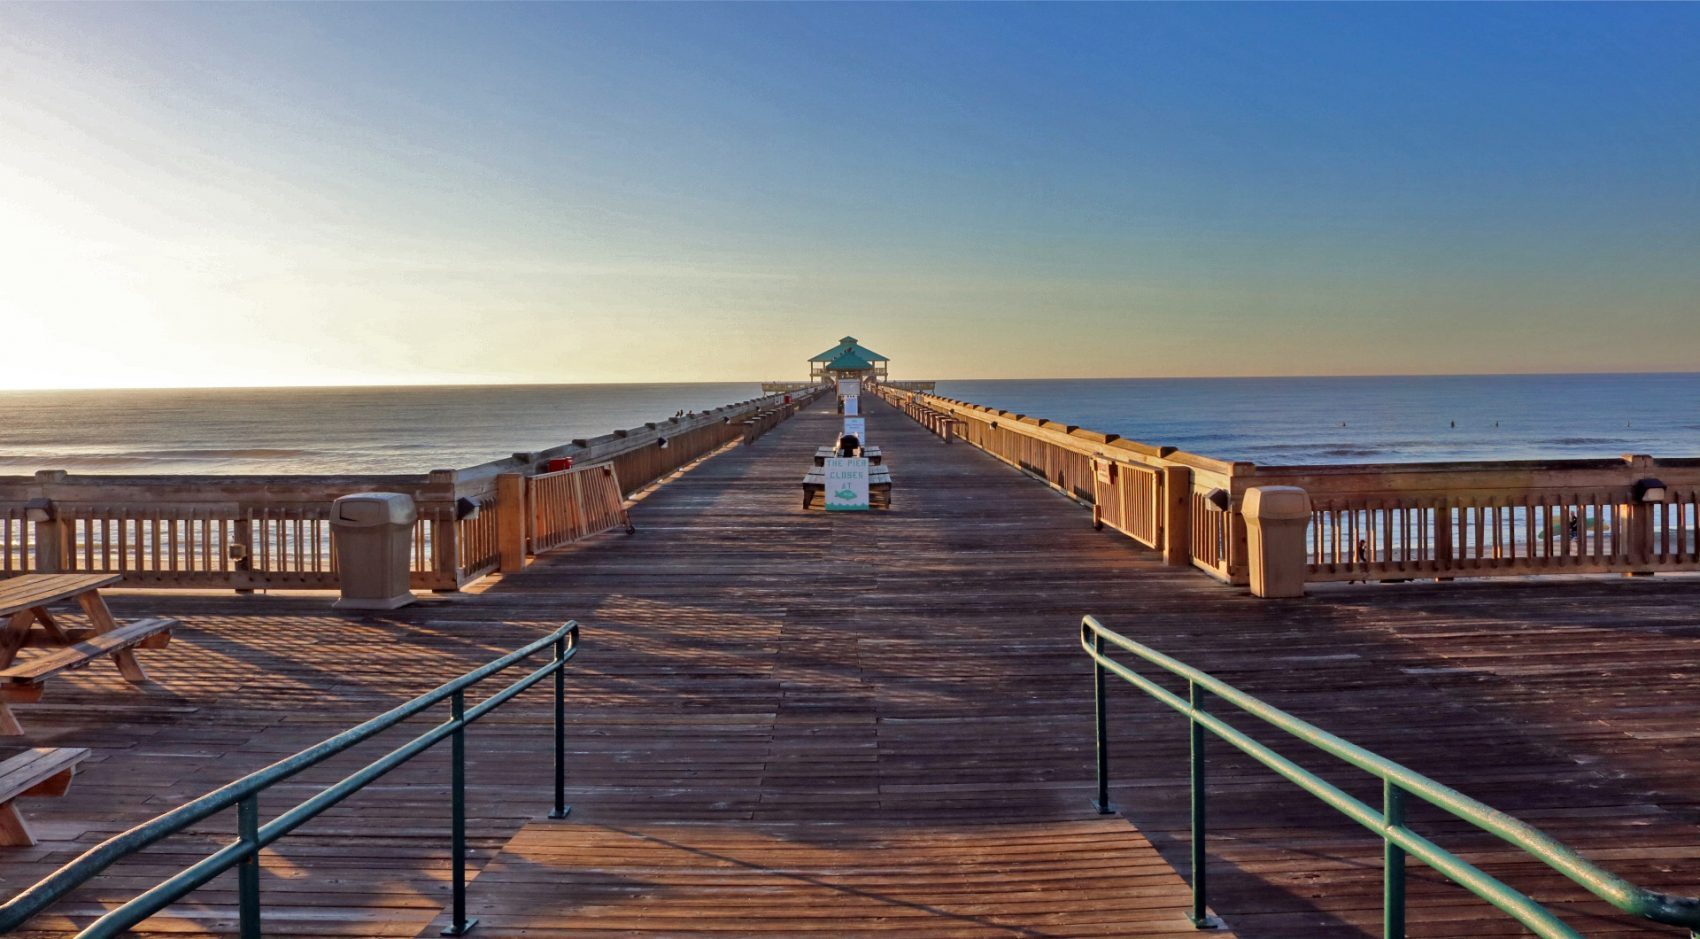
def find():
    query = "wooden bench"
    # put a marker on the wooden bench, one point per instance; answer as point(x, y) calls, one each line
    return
point(24, 600)
point(875, 457)
point(23, 682)
point(879, 487)
point(43, 771)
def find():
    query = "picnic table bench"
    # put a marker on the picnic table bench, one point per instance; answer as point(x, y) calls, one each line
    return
point(24, 604)
point(875, 457)
point(879, 484)
point(43, 771)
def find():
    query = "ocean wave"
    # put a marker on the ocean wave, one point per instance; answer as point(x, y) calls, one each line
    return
point(1581, 441)
point(239, 453)
point(1352, 451)
point(1380, 446)
point(150, 458)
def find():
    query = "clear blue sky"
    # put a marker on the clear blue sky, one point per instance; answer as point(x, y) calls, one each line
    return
point(259, 194)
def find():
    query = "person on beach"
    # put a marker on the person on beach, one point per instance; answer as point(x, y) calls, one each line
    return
point(1573, 533)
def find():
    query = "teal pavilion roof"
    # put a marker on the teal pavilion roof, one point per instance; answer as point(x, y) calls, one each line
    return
point(849, 361)
point(849, 344)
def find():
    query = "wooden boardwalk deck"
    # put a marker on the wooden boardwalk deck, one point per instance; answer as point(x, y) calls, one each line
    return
point(750, 666)
point(1088, 878)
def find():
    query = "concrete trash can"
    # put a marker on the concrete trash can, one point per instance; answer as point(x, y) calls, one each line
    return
point(1276, 518)
point(373, 533)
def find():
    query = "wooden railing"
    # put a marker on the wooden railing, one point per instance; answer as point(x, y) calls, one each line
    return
point(926, 386)
point(946, 426)
point(552, 509)
point(759, 423)
point(1368, 522)
point(1141, 491)
point(17, 540)
point(273, 532)
point(1393, 521)
point(245, 532)
point(571, 505)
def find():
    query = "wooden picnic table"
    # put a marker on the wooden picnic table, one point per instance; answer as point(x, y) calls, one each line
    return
point(24, 602)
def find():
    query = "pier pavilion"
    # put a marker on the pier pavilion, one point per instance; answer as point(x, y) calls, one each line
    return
point(848, 359)
point(784, 722)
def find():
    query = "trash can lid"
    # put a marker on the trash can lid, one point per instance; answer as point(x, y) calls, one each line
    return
point(1276, 502)
point(361, 509)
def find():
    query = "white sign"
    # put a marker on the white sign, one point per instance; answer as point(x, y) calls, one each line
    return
point(857, 426)
point(846, 484)
point(853, 405)
point(849, 387)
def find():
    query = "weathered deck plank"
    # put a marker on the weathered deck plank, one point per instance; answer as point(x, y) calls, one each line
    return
point(749, 661)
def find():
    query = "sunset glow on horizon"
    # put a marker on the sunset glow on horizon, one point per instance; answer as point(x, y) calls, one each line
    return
point(263, 195)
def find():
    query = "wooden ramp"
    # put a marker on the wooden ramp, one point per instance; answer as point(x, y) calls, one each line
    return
point(1086, 878)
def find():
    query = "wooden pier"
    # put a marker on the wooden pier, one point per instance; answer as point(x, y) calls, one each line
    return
point(783, 716)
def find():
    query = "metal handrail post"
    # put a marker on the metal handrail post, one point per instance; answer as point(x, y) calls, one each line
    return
point(248, 872)
point(562, 809)
point(1103, 803)
point(1195, 749)
point(457, 747)
point(1393, 863)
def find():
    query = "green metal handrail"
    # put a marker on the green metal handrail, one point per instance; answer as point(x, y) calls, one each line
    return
point(244, 853)
point(1388, 822)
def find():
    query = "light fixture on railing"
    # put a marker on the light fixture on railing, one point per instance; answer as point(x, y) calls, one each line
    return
point(466, 508)
point(1649, 490)
point(661, 442)
point(1218, 499)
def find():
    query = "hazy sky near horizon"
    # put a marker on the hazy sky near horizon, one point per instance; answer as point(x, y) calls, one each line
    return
point(213, 194)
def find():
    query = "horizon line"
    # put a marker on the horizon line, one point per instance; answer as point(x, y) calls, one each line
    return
point(738, 381)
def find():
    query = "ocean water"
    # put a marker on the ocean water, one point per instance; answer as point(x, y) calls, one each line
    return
point(1285, 421)
point(323, 430)
point(1271, 421)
